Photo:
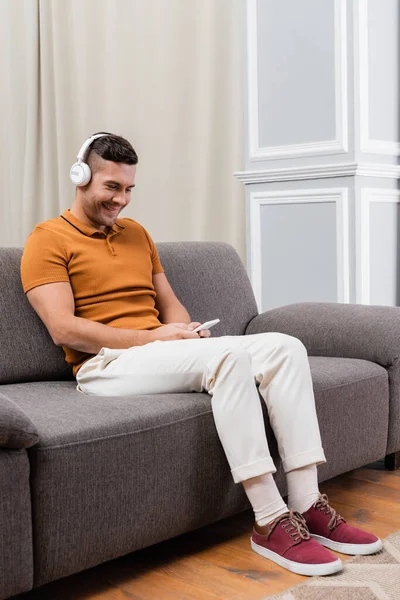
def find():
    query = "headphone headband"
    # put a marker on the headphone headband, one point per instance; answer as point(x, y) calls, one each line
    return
point(85, 145)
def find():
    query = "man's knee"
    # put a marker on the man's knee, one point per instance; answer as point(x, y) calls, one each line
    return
point(291, 345)
point(236, 354)
point(232, 357)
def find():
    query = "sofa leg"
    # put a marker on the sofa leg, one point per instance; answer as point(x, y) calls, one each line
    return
point(392, 461)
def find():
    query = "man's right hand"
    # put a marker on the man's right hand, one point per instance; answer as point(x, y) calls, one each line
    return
point(173, 331)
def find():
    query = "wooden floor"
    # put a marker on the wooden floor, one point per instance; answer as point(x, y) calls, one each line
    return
point(216, 562)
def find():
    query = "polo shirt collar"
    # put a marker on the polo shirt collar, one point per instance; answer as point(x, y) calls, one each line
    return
point(86, 229)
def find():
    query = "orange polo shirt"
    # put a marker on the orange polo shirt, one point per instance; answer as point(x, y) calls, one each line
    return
point(110, 274)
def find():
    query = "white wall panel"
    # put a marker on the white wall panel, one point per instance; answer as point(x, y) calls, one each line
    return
point(323, 79)
point(299, 246)
point(379, 246)
point(296, 70)
point(378, 33)
point(297, 78)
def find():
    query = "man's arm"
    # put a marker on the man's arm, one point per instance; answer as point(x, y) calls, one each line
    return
point(170, 309)
point(167, 304)
point(55, 305)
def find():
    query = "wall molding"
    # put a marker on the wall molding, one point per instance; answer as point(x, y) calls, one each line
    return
point(339, 196)
point(363, 214)
point(367, 144)
point(349, 169)
point(378, 170)
point(340, 143)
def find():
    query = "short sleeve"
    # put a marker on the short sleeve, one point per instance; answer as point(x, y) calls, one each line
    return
point(44, 260)
point(155, 259)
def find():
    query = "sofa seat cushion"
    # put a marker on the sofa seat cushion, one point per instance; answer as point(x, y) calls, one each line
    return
point(334, 372)
point(352, 401)
point(111, 475)
point(63, 415)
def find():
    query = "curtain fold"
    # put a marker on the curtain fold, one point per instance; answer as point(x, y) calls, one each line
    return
point(167, 75)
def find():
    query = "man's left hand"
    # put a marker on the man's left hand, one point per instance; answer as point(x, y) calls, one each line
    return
point(204, 333)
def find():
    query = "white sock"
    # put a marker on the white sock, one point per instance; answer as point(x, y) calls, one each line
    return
point(265, 498)
point(302, 488)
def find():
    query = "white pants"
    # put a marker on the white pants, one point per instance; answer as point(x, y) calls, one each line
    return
point(229, 368)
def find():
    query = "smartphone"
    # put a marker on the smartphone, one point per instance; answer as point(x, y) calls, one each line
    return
point(206, 325)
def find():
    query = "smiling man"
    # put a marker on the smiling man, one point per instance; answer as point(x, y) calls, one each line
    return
point(96, 280)
point(97, 283)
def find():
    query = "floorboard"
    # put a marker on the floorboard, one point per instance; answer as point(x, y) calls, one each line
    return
point(216, 562)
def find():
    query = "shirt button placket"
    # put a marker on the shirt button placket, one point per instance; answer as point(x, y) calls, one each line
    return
point(111, 247)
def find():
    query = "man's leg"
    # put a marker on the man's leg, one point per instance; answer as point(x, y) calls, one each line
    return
point(218, 365)
point(223, 367)
point(281, 368)
point(285, 384)
point(226, 368)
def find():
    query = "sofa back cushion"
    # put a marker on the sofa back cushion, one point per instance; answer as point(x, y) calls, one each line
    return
point(208, 278)
point(211, 282)
point(27, 352)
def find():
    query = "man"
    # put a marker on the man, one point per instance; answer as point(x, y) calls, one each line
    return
point(97, 283)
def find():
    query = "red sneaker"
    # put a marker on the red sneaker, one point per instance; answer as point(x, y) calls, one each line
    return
point(332, 531)
point(289, 544)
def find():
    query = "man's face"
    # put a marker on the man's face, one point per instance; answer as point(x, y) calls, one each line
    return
point(107, 193)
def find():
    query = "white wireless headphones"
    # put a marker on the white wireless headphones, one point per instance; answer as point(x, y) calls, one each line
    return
point(80, 172)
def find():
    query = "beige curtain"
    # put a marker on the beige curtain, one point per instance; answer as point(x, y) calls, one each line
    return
point(166, 74)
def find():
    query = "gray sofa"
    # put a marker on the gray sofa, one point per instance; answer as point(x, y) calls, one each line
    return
point(87, 479)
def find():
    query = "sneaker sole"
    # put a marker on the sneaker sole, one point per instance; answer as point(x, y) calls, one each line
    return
point(352, 549)
point(299, 568)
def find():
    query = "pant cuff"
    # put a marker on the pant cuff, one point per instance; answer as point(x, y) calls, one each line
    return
point(304, 459)
point(260, 467)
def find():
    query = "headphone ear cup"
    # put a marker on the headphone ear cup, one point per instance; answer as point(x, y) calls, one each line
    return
point(80, 174)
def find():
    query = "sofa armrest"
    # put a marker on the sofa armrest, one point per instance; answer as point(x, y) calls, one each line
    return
point(346, 331)
point(16, 428)
point(332, 329)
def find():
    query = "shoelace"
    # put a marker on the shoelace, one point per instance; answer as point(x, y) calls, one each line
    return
point(295, 525)
point(323, 505)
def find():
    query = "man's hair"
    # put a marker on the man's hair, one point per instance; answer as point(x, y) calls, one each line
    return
point(111, 147)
